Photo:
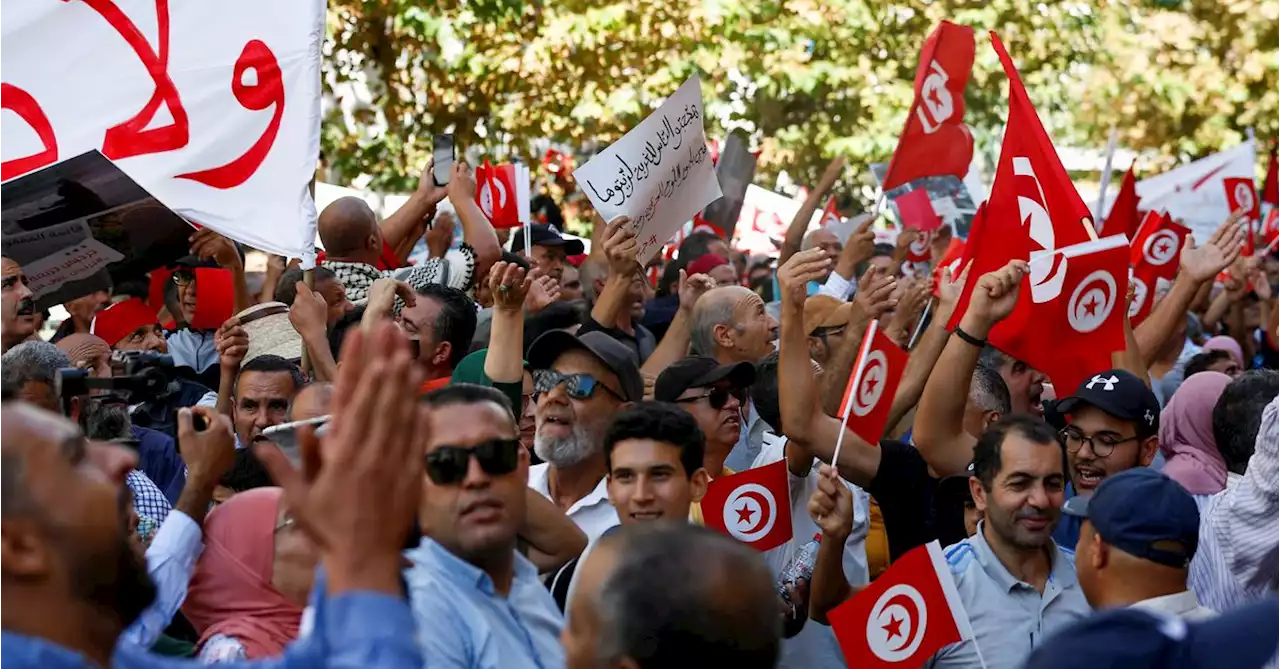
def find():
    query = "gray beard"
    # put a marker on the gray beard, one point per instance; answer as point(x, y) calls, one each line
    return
point(567, 451)
point(107, 420)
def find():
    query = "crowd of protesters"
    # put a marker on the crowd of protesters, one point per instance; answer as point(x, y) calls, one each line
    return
point(490, 454)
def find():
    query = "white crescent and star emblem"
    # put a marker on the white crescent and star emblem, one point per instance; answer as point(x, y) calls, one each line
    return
point(1161, 246)
point(936, 98)
point(493, 196)
point(920, 246)
point(1047, 278)
point(1091, 301)
point(749, 512)
point(1244, 197)
point(871, 385)
point(1139, 296)
point(896, 626)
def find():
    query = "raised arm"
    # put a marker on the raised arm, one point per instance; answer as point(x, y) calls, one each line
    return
point(477, 232)
point(939, 428)
point(620, 249)
point(205, 243)
point(800, 223)
point(831, 507)
point(675, 343)
point(927, 351)
point(1129, 359)
point(803, 420)
point(402, 229)
point(873, 299)
point(308, 316)
point(552, 537)
point(232, 344)
point(508, 284)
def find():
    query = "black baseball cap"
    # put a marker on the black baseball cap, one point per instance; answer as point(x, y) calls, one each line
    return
point(1118, 393)
point(1143, 513)
point(698, 372)
point(609, 351)
point(545, 234)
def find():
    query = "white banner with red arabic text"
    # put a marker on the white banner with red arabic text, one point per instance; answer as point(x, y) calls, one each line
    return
point(213, 107)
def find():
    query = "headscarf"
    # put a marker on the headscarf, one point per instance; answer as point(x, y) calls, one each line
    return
point(1225, 343)
point(1186, 435)
point(231, 592)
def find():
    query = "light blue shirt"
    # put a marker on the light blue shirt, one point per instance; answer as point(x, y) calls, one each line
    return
point(193, 349)
point(464, 623)
point(171, 559)
point(1009, 617)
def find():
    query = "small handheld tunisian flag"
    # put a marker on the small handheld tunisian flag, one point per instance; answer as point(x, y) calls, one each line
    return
point(1242, 194)
point(916, 210)
point(905, 616)
point(920, 250)
point(753, 506)
point(1153, 254)
point(496, 194)
point(870, 391)
point(1271, 230)
point(830, 215)
point(1084, 325)
point(935, 141)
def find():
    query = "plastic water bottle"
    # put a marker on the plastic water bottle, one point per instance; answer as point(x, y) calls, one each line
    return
point(801, 566)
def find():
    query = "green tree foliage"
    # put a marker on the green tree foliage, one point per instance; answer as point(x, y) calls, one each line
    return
point(805, 79)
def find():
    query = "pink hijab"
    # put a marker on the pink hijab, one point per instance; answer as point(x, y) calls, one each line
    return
point(1225, 343)
point(231, 592)
point(1186, 435)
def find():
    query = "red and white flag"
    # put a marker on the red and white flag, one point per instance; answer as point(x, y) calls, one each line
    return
point(869, 393)
point(830, 215)
point(1154, 254)
point(918, 251)
point(916, 210)
point(752, 506)
point(1270, 230)
point(497, 194)
point(1242, 194)
point(935, 140)
point(905, 616)
point(1271, 185)
point(1123, 219)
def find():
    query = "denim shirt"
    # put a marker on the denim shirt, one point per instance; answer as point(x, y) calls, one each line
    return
point(464, 623)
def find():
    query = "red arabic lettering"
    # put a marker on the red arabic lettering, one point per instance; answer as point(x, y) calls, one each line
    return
point(267, 91)
point(26, 107)
point(132, 138)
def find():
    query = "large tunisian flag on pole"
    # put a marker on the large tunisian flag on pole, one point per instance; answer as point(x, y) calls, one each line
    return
point(906, 615)
point(213, 107)
point(935, 140)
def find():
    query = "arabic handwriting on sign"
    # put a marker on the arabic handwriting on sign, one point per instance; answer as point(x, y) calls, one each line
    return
point(267, 91)
point(131, 138)
point(26, 107)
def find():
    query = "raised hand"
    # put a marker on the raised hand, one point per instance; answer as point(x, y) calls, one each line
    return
point(831, 506)
point(908, 311)
point(427, 184)
point(509, 284)
point(796, 273)
point(875, 295)
point(462, 184)
point(902, 246)
point(357, 493)
point(858, 248)
point(208, 453)
point(949, 290)
point(543, 292)
point(993, 298)
point(621, 247)
point(309, 312)
point(1203, 263)
point(383, 294)
point(206, 243)
point(232, 343)
point(693, 287)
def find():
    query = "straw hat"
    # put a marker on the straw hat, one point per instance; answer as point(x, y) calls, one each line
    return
point(270, 332)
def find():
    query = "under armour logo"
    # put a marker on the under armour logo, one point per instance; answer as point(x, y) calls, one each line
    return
point(1108, 383)
point(1150, 418)
point(552, 228)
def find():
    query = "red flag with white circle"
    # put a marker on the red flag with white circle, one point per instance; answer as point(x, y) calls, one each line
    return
point(905, 616)
point(918, 251)
point(496, 194)
point(830, 215)
point(752, 506)
point(870, 391)
point(1242, 194)
point(1156, 249)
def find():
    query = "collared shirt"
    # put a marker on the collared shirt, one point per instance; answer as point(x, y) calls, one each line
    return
point(593, 513)
point(464, 622)
point(171, 559)
point(1236, 559)
point(750, 440)
point(356, 630)
point(192, 348)
point(1009, 617)
point(148, 500)
point(1183, 604)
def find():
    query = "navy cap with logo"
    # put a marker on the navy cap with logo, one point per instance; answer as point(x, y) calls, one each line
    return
point(544, 234)
point(612, 353)
point(1132, 637)
point(1120, 394)
point(700, 372)
point(1143, 513)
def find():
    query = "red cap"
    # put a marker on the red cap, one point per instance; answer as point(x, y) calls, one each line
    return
point(215, 298)
point(705, 263)
point(121, 319)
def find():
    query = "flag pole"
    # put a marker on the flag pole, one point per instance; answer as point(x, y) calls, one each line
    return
point(1106, 173)
point(924, 315)
point(853, 388)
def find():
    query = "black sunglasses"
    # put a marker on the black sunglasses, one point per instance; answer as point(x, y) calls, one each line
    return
point(719, 396)
point(579, 386)
point(447, 465)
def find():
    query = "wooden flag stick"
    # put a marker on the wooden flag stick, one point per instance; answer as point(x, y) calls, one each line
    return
point(309, 280)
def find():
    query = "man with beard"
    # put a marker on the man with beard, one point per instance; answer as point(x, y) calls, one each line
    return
point(1016, 584)
point(478, 602)
point(18, 304)
point(1114, 425)
point(581, 383)
point(72, 582)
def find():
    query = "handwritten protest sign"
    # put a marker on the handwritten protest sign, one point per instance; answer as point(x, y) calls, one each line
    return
point(213, 107)
point(659, 175)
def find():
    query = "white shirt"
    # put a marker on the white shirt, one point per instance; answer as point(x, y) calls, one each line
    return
point(1181, 604)
point(593, 513)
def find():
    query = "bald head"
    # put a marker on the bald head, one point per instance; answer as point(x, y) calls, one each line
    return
point(311, 402)
point(85, 350)
point(349, 230)
point(23, 430)
point(730, 324)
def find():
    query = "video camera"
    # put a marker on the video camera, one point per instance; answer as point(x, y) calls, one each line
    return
point(136, 376)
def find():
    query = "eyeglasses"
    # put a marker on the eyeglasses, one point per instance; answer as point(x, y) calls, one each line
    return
point(718, 397)
point(447, 465)
point(183, 277)
point(1101, 444)
point(579, 386)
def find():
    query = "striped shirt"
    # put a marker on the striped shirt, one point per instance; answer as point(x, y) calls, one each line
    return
point(147, 498)
point(1236, 561)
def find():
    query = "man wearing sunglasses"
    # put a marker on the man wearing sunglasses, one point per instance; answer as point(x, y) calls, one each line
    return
point(478, 602)
point(579, 383)
point(1113, 425)
point(715, 396)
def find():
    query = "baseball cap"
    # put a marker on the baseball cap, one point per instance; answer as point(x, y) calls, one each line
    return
point(545, 234)
point(1120, 394)
point(698, 372)
point(1143, 513)
point(824, 311)
point(1130, 637)
point(609, 351)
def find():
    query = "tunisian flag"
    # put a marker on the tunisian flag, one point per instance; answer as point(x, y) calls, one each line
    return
point(935, 140)
point(753, 506)
point(1270, 230)
point(1242, 194)
point(830, 215)
point(905, 616)
point(1154, 254)
point(870, 391)
point(916, 210)
point(496, 194)
point(1123, 219)
point(1271, 186)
